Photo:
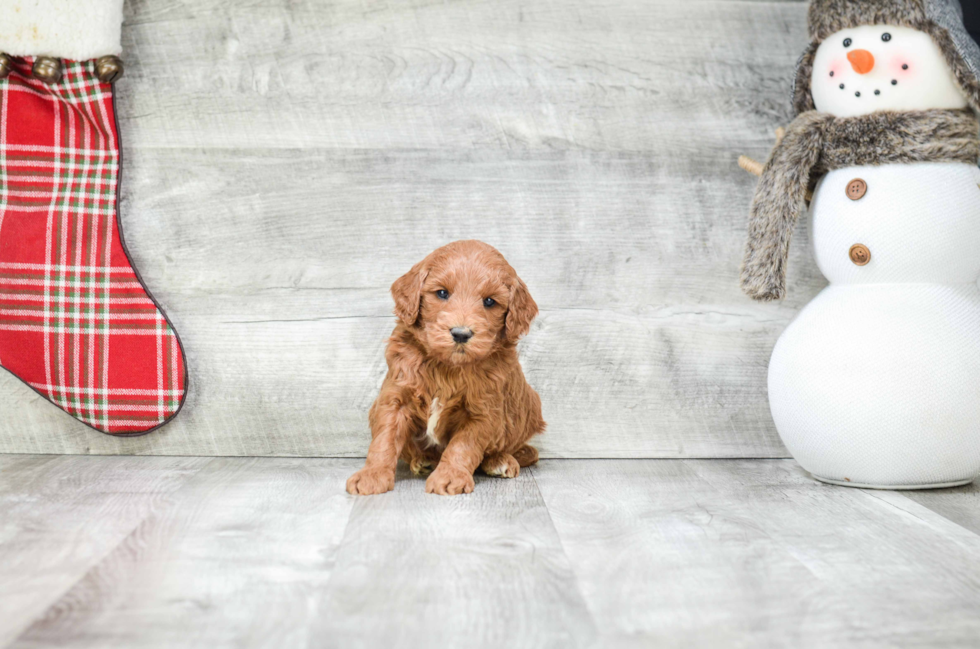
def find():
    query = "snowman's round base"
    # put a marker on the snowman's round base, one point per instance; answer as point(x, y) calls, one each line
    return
point(901, 487)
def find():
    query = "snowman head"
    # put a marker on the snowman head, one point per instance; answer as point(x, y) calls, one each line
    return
point(864, 69)
point(898, 55)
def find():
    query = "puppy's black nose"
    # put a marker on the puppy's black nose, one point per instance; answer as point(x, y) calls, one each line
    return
point(461, 334)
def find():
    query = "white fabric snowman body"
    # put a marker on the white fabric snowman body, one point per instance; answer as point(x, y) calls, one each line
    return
point(877, 380)
point(876, 383)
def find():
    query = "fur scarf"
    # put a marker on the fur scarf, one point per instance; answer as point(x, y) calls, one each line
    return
point(816, 143)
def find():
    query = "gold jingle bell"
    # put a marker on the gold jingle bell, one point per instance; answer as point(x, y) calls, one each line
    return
point(47, 69)
point(6, 66)
point(109, 68)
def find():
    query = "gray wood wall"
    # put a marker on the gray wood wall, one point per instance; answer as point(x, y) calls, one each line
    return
point(286, 160)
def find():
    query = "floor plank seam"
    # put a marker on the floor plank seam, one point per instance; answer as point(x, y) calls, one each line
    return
point(561, 544)
point(877, 495)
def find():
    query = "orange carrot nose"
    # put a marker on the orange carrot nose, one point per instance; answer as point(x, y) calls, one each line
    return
point(862, 61)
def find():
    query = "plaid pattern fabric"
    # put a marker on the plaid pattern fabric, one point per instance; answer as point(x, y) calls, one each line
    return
point(76, 323)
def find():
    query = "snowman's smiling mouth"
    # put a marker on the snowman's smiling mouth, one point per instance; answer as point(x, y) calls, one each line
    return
point(862, 92)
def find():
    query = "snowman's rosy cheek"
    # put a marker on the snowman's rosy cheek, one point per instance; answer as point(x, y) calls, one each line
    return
point(900, 66)
point(837, 68)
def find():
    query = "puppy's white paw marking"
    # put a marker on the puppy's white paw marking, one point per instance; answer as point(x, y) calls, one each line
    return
point(499, 471)
point(430, 431)
point(501, 466)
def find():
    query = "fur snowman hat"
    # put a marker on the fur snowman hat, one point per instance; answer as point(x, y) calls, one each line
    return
point(941, 19)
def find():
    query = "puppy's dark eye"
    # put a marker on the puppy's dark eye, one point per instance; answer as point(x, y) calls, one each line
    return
point(886, 37)
point(847, 42)
point(442, 294)
point(489, 302)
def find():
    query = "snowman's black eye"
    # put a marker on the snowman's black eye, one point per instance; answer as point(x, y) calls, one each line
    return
point(886, 37)
point(847, 42)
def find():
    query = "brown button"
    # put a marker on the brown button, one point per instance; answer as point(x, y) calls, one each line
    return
point(860, 254)
point(6, 65)
point(856, 189)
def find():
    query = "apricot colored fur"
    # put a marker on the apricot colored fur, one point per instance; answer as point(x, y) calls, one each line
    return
point(487, 412)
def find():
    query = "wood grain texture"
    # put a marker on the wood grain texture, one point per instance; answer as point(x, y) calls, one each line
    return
point(754, 554)
point(105, 552)
point(481, 570)
point(235, 559)
point(60, 517)
point(287, 160)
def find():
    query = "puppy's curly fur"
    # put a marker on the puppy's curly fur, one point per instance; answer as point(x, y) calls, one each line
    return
point(450, 405)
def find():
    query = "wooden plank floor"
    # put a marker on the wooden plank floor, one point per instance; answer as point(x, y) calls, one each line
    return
point(244, 552)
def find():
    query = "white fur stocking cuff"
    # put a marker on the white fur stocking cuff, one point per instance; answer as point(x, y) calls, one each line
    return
point(69, 29)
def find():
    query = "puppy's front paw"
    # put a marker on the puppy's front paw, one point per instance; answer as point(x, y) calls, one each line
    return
point(449, 481)
point(367, 482)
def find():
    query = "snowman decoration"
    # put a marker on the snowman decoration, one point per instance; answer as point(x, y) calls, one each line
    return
point(876, 383)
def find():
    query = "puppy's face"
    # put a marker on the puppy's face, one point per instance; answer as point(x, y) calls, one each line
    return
point(463, 302)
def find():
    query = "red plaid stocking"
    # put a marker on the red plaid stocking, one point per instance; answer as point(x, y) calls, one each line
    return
point(76, 323)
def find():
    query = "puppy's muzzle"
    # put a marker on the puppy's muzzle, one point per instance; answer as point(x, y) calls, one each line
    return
point(461, 335)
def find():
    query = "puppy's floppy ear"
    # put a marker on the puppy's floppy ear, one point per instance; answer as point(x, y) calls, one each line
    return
point(407, 291)
point(521, 311)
